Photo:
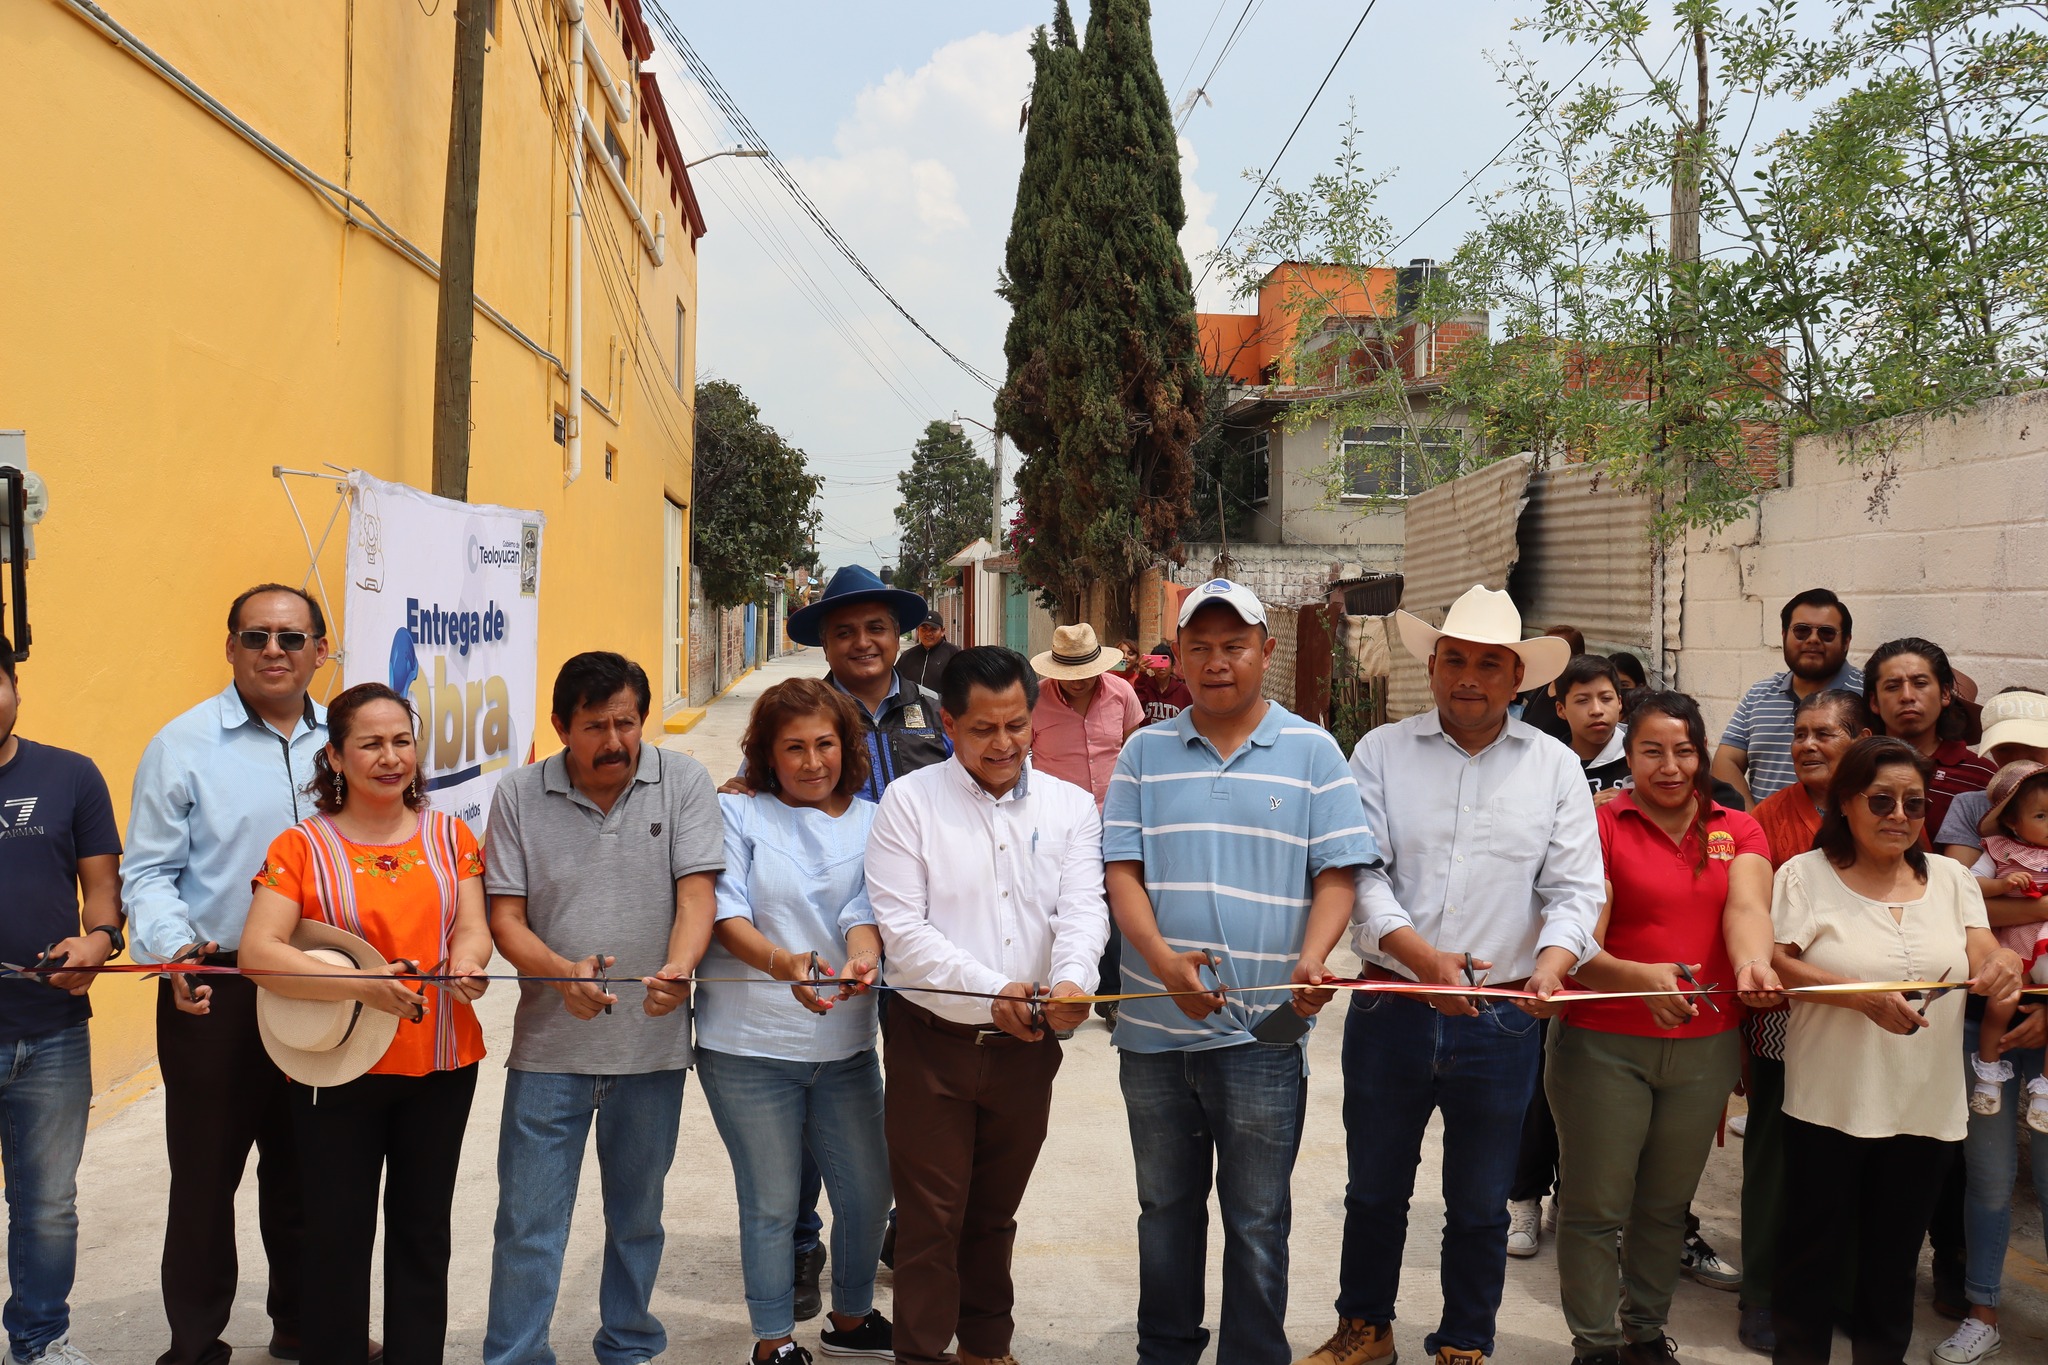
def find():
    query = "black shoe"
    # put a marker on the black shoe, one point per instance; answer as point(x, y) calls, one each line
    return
point(809, 1266)
point(874, 1338)
point(1598, 1358)
point(1949, 1300)
point(1756, 1331)
point(1106, 1010)
point(788, 1353)
point(889, 1246)
point(1662, 1351)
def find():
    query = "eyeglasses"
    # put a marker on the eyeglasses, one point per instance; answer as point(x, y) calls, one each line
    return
point(1884, 803)
point(1825, 634)
point(290, 641)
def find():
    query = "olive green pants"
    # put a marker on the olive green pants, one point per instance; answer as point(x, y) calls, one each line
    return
point(1635, 1121)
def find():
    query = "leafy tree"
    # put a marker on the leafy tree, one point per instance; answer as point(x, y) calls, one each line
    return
point(948, 499)
point(1104, 396)
point(753, 498)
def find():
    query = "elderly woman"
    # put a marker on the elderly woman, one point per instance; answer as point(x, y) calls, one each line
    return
point(1638, 1086)
point(1873, 1116)
point(376, 862)
point(787, 1072)
point(1825, 724)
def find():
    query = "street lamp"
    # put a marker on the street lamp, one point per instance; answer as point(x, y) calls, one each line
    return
point(995, 530)
point(730, 151)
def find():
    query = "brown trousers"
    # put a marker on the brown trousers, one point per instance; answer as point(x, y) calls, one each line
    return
point(965, 1123)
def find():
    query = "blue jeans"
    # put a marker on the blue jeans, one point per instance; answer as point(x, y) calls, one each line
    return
point(1234, 1114)
point(770, 1112)
point(1402, 1060)
point(540, 1157)
point(45, 1094)
point(1991, 1160)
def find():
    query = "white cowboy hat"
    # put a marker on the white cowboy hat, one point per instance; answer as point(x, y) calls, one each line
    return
point(325, 1042)
point(1075, 654)
point(2014, 718)
point(1485, 617)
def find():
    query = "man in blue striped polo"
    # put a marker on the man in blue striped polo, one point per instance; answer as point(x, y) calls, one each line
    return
point(1755, 752)
point(1232, 835)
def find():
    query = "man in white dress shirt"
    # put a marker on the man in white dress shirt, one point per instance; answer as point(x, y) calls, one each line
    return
point(1491, 872)
point(986, 878)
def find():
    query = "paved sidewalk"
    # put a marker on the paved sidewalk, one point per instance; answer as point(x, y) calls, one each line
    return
point(1076, 1246)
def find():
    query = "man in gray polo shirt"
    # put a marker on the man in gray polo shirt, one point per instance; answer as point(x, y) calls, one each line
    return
point(603, 857)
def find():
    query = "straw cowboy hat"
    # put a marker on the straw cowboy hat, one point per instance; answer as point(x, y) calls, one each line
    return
point(1485, 617)
point(1075, 654)
point(2003, 788)
point(325, 1042)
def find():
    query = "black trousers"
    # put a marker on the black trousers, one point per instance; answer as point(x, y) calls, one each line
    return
point(405, 1132)
point(223, 1095)
point(1536, 1162)
point(1829, 1176)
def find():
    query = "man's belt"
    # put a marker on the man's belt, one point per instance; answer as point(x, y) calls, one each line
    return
point(980, 1036)
point(1374, 972)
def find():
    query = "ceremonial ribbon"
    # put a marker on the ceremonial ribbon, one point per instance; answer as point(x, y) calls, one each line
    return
point(609, 979)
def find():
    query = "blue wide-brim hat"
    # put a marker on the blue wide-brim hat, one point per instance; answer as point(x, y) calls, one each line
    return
point(855, 584)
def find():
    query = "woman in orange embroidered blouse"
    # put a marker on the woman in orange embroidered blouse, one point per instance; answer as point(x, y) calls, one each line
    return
point(376, 862)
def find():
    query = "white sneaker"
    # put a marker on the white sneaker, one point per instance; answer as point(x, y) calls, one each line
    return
point(1550, 1216)
point(2037, 1104)
point(1739, 1125)
point(1987, 1096)
point(1524, 1217)
point(1973, 1341)
point(62, 1352)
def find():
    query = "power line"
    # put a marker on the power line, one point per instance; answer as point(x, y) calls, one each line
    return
point(753, 138)
point(1271, 166)
point(1504, 149)
point(1229, 42)
point(1221, 6)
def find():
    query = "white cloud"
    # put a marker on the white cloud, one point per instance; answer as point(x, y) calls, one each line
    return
point(1198, 235)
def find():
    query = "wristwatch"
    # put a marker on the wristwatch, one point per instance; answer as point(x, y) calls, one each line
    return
point(114, 936)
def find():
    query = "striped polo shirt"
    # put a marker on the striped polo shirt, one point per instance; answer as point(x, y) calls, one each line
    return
point(1230, 849)
point(1762, 728)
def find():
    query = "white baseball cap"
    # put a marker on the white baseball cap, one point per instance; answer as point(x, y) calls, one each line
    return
point(1236, 596)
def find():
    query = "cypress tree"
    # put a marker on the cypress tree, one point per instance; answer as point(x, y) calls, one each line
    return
point(1020, 406)
point(1113, 327)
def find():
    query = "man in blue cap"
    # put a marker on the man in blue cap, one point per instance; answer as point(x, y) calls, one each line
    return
point(859, 622)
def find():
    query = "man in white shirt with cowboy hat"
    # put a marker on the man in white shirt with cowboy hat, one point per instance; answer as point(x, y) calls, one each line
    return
point(1491, 874)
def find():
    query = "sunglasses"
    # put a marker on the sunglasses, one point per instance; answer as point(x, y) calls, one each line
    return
point(1825, 634)
point(1884, 803)
point(290, 641)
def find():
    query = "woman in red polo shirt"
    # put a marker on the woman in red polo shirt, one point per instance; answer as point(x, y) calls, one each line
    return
point(1638, 1086)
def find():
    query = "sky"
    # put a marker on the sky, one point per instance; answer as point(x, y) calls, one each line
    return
point(900, 120)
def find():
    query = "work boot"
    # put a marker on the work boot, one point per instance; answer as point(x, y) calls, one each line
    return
point(1451, 1355)
point(1598, 1358)
point(1355, 1342)
point(970, 1358)
point(1662, 1351)
point(809, 1300)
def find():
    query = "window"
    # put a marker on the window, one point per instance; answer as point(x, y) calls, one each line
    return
point(1257, 450)
point(1391, 462)
point(680, 318)
point(614, 146)
point(491, 17)
point(611, 465)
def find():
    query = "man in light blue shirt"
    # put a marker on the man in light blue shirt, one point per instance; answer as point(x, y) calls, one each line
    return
point(1232, 835)
point(213, 789)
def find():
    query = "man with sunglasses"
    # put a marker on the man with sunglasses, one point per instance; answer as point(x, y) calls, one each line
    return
point(213, 789)
point(1755, 753)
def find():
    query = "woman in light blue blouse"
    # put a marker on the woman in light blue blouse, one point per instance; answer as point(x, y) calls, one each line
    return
point(786, 1071)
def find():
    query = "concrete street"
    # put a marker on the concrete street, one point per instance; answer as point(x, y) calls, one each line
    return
point(1076, 1251)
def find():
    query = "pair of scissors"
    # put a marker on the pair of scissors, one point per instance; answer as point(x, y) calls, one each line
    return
point(1693, 981)
point(1926, 998)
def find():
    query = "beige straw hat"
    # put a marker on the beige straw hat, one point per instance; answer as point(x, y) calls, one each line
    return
point(325, 1042)
point(1075, 654)
point(1485, 617)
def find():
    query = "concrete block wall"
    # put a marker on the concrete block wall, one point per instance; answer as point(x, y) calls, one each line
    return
point(1936, 527)
point(1288, 575)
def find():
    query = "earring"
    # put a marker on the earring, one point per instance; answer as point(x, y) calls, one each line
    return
point(339, 796)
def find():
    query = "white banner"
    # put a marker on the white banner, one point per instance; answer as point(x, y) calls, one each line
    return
point(443, 605)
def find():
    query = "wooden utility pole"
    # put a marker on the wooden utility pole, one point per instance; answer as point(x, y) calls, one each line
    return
point(1687, 165)
point(455, 323)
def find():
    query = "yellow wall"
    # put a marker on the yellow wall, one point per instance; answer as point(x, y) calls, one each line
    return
point(178, 315)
